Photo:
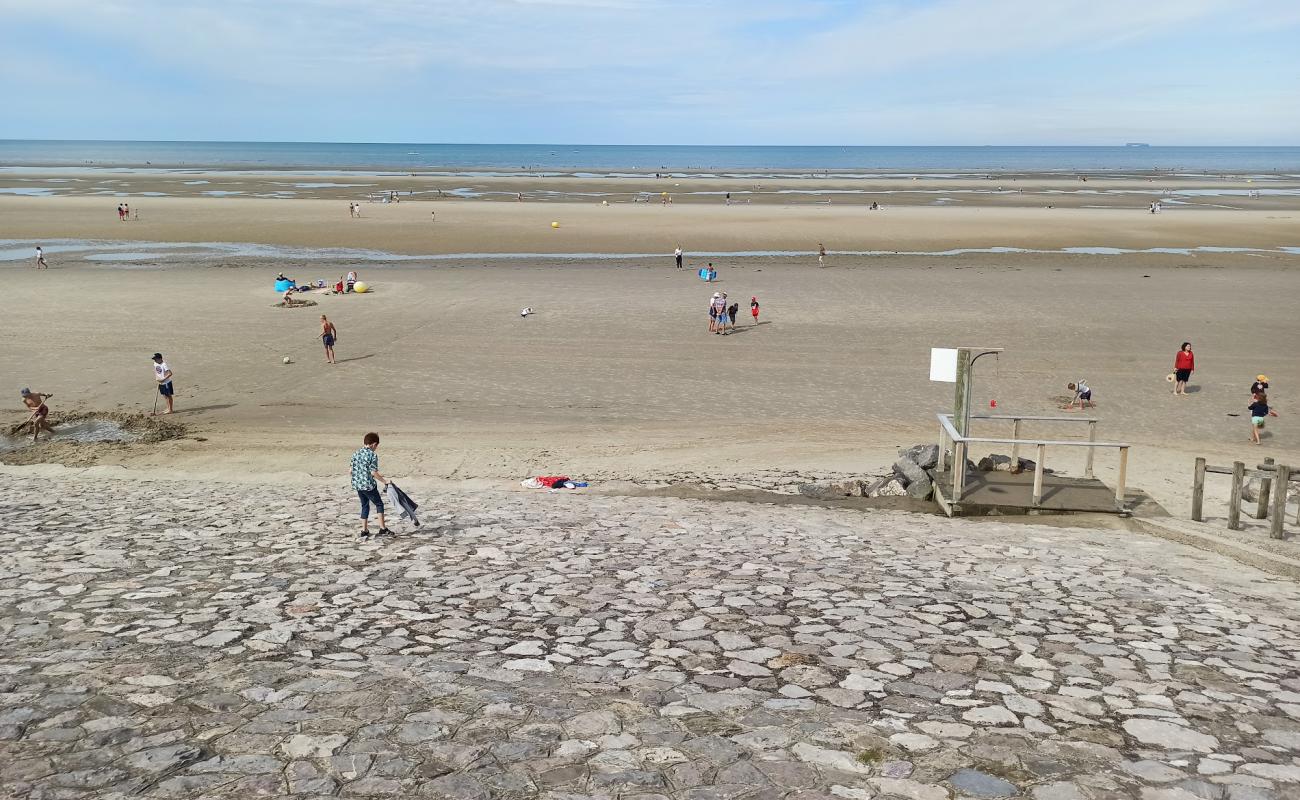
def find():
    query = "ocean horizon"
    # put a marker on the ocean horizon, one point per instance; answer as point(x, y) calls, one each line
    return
point(426, 157)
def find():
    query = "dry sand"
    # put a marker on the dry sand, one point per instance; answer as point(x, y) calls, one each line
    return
point(615, 377)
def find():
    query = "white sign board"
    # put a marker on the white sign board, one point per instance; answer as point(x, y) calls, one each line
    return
point(943, 364)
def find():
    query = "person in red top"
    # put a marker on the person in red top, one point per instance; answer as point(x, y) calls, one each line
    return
point(1184, 366)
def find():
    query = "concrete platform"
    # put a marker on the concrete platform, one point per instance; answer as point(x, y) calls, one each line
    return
point(1013, 493)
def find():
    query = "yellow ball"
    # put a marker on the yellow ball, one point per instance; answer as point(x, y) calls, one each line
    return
point(360, 287)
point(555, 224)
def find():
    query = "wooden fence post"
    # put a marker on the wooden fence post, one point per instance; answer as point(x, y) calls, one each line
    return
point(1198, 491)
point(1038, 477)
point(1234, 500)
point(1279, 501)
point(1265, 485)
point(1092, 437)
point(1015, 447)
point(1121, 481)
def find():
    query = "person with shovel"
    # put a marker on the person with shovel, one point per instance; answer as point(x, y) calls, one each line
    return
point(40, 413)
point(162, 375)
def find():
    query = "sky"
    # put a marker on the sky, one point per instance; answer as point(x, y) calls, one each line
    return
point(798, 72)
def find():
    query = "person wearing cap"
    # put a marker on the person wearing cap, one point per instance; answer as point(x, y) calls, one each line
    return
point(1260, 385)
point(162, 374)
point(35, 401)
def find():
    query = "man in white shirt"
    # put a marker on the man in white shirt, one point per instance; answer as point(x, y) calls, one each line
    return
point(162, 374)
point(677, 255)
point(40, 258)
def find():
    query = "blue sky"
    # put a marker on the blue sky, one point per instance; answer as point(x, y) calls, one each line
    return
point(655, 71)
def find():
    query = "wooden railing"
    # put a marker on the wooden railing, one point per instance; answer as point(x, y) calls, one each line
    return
point(961, 447)
point(1268, 474)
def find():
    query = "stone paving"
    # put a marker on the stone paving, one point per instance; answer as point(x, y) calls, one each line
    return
point(179, 639)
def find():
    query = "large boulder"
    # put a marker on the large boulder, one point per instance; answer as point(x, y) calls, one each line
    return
point(909, 472)
point(925, 456)
point(921, 489)
point(887, 487)
point(1000, 463)
point(830, 491)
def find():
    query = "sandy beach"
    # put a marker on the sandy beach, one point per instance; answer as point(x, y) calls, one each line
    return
point(615, 377)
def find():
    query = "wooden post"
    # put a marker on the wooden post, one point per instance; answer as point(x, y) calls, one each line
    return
point(1122, 480)
point(1265, 487)
point(961, 401)
point(943, 450)
point(958, 470)
point(1015, 448)
point(1038, 477)
point(1092, 437)
point(1198, 491)
point(1279, 501)
point(1234, 500)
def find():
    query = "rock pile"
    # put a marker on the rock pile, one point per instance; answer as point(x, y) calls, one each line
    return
point(914, 470)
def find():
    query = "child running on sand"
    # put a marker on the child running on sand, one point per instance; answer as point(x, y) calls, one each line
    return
point(753, 308)
point(1259, 411)
point(731, 314)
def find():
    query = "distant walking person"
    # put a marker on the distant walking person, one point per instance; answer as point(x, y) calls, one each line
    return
point(732, 310)
point(677, 256)
point(328, 336)
point(1184, 366)
point(162, 375)
point(121, 213)
point(753, 308)
point(35, 402)
point(821, 254)
point(40, 258)
point(126, 210)
point(366, 480)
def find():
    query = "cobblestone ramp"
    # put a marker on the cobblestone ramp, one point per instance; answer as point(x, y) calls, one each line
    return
point(205, 640)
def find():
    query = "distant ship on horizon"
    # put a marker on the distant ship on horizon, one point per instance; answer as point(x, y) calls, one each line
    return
point(1136, 144)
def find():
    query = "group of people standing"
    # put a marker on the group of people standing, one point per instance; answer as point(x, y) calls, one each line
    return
point(123, 212)
point(722, 315)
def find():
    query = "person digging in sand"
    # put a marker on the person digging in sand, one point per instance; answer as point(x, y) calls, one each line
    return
point(365, 480)
point(1082, 395)
point(40, 413)
point(162, 374)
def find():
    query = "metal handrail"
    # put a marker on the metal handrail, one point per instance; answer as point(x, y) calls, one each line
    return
point(1031, 419)
point(960, 446)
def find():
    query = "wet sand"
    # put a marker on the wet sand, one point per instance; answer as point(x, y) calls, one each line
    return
point(616, 378)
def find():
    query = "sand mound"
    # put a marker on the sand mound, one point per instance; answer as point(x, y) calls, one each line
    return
point(65, 447)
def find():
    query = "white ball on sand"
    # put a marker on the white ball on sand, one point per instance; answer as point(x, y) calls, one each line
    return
point(286, 359)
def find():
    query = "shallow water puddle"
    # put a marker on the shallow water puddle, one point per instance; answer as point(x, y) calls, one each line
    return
point(90, 431)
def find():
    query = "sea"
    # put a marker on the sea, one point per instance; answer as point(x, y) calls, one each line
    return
point(406, 158)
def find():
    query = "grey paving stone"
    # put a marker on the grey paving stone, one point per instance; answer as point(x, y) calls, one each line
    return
point(169, 639)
